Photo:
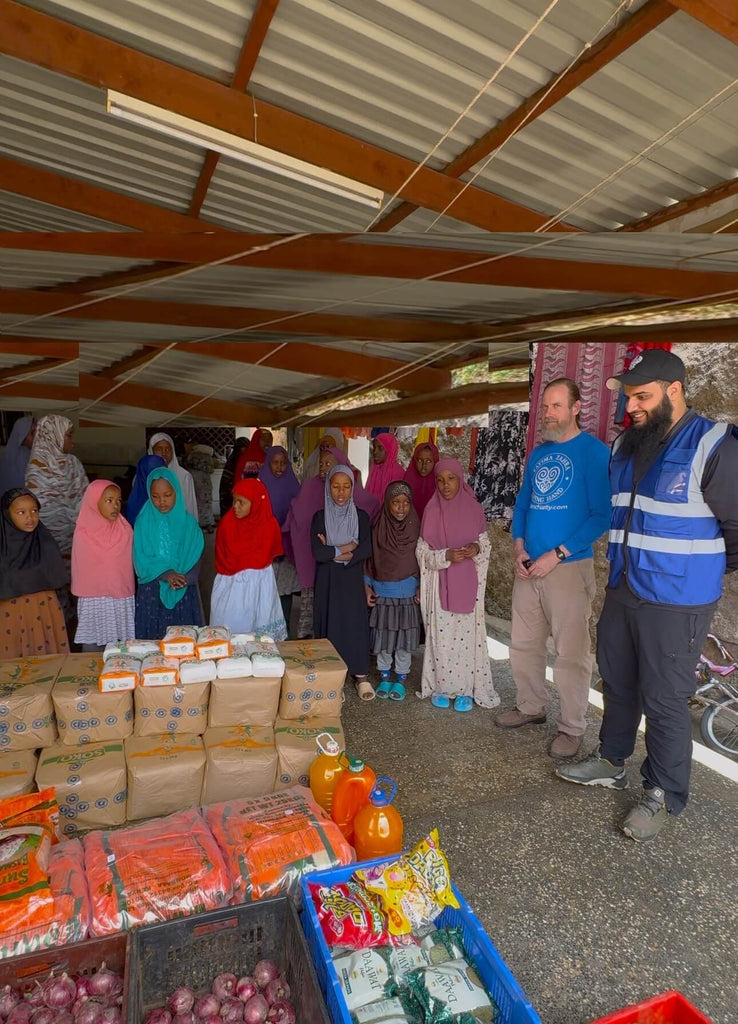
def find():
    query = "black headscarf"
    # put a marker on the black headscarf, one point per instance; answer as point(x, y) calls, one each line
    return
point(229, 471)
point(29, 562)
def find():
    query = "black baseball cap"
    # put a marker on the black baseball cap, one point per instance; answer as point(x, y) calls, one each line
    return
point(653, 364)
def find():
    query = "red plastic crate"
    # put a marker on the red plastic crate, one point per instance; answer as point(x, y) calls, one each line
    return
point(669, 1008)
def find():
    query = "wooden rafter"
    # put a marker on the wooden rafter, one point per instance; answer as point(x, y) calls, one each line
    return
point(708, 197)
point(18, 344)
point(82, 197)
point(29, 389)
point(469, 400)
point(612, 45)
point(174, 403)
point(35, 367)
point(719, 15)
point(139, 358)
point(341, 255)
point(236, 318)
point(261, 19)
point(62, 47)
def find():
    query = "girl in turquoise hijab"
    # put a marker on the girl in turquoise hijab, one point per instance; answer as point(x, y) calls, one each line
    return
point(167, 549)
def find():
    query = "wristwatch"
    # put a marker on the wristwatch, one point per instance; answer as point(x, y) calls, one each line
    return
point(560, 554)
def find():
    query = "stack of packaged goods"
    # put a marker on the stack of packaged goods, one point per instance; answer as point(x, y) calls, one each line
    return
point(310, 704)
point(27, 719)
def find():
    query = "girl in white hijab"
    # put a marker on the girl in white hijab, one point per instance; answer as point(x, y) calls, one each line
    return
point(57, 479)
point(332, 437)
point(163, 445)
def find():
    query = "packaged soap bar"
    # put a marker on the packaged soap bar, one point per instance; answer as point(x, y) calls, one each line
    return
point(213, 642)
point(193, 671)
point(119, 673)
point(156, 670)
point(179, 642)
point(131, 648)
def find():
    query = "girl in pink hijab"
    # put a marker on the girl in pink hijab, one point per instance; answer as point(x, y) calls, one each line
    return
point(102, 569)
point(453, 555)
point(385, 468)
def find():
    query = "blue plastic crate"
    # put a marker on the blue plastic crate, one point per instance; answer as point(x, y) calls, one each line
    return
point(492, 969)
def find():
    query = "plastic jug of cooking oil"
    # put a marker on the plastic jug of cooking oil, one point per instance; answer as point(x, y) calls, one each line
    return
point(326, 770)
point(355, 784)
point(378, 827)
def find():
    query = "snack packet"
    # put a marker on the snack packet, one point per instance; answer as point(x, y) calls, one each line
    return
point(452, 993)
point(365, 976)
point(400, 1009)
point(349, 916)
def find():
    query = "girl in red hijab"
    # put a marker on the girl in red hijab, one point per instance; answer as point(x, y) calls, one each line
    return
point(385, 468)
point(420, 477)
point(247, 541)
point(252, 459)
point(453, 555)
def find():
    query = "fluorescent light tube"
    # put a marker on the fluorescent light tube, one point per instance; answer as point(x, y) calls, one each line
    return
point(174, 125)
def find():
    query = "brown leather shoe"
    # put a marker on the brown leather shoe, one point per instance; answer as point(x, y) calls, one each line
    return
point(514, 719)
point(565, 745)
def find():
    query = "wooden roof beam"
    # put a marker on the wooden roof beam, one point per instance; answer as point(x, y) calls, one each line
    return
point(719, 15)
point(18, 344)
point(454, 403)
point(35, 367)
point(82, 197)
point(133, 362)
point(238, 318)
point(612, 45)
point(68, 50)
point(173, 403)
point(29, 390)
point(261, 19)
point(708, 197)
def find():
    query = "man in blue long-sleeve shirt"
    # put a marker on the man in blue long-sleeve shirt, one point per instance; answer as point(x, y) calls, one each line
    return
point(562, 508)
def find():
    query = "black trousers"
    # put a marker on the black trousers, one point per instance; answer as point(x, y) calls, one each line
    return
point(647, 656)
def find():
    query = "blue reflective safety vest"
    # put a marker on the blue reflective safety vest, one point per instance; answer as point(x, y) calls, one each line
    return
point(663, 534)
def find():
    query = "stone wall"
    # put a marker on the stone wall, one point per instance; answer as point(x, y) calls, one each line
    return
point(712, 373)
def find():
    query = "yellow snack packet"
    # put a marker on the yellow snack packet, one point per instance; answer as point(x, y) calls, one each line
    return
point(414, 889)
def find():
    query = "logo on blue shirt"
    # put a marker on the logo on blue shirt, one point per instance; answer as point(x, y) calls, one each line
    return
point(552, 478)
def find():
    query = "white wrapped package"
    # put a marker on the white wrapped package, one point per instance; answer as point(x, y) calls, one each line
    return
point(213, 642)
point(156, 670)
point(131, 649)
point(119, 673)
point(179, 642)
point(241, 639)
point(238, 666)
point(193, 671)
point(266, 662)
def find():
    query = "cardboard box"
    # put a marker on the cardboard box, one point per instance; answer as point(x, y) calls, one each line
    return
point(26, 709)
point(169, 709)
point(83, 714)
point(90, 784)
point(165, 774)
point(296, 747)
point(17, 773)
point(245, 701)
point(313, 679)
point(240, 761)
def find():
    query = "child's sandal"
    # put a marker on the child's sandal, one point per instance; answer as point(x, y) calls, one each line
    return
point(397, 691)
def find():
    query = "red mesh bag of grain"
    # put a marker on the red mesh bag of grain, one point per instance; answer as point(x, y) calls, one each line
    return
point(165, 868)
point(270, 842)
point(71, 912)
point(27, 830)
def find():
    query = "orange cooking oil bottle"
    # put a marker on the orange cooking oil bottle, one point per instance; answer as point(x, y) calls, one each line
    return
point(326, 770)
point(355, 784)
point(378, 827)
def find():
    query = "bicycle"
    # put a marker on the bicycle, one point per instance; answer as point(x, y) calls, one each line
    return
point(718, 694)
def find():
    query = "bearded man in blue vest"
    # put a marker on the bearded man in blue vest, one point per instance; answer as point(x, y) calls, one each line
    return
point(673, 535)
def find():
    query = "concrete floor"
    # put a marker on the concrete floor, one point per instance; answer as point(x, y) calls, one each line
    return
point(587, 920)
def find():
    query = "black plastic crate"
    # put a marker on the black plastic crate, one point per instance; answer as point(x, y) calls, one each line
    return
point(193, 950)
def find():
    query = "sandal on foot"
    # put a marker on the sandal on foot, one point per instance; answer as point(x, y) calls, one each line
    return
point(365, 689)
point(463, 704)
point(440, 700)
point(397, 692)
point(384, 690)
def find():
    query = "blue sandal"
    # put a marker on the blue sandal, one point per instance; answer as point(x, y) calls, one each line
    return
point(397, 691)
point(463, 704)
point(440, 700)
point(385, 685)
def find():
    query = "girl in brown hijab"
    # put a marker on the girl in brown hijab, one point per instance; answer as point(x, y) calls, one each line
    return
point(392, 580)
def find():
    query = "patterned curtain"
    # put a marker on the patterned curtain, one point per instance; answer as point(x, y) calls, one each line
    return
point(499, 461)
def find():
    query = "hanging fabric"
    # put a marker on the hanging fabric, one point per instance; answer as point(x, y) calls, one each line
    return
point(499, 462)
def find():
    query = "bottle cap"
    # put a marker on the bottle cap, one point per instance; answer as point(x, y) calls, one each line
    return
point(383, 791)
point(327, 744)
point(355, 764)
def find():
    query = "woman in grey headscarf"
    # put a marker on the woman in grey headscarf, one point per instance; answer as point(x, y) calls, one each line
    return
point(341, 540)
point(14, 462)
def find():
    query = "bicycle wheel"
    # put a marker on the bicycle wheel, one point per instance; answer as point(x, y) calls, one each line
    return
point(719, 727)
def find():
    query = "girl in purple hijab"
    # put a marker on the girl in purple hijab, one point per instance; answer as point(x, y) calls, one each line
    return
point(282, 485)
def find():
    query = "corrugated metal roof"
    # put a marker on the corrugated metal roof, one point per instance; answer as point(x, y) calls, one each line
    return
point(17, 213)
point(25, 269)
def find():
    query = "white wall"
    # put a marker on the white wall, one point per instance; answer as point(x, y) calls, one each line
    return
point(108, 451)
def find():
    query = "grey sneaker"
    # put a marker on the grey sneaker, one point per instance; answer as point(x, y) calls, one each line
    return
point(648, 816)
point(594, 771)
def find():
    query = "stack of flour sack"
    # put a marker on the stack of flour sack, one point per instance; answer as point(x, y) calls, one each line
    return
point(158, 726)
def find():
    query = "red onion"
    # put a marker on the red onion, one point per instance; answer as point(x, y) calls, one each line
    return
point(43, 1015)
point(276, 990)
point(224, 986)
point(110, 1015)
point(20, 1014)
point(264, 972)
point(246, 987)
point(187, 1017)
point(87, 1011)
point(36, 996)
point(282, 1012)
point(231, 1010)
point(8, 999)
point(256, 1010)
point(181, 1000)
point(159, 1016)
point(105, 983)
point(63, 1017)
point(59, 992)
point(207, 1006)
point(214, 1019)
point(83, 987)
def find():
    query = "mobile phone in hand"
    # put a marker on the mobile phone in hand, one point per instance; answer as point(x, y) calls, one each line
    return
point(527, 563)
